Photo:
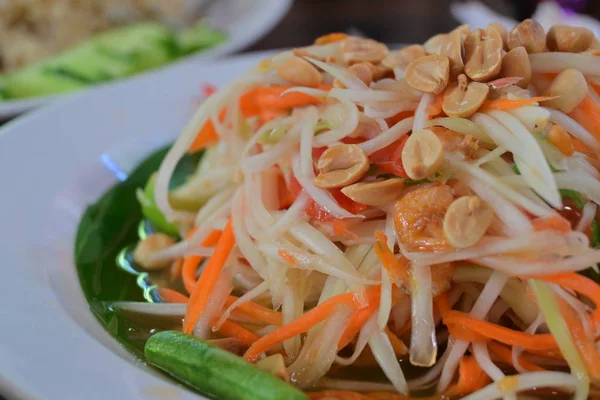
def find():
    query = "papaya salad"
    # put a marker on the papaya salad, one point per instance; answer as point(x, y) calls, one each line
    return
point(376, 224)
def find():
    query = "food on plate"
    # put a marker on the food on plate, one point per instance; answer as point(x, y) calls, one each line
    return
point(350, 222)
point(43, 53)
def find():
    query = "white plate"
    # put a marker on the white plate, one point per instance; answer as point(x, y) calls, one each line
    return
point(244, 22)
point(51, 347)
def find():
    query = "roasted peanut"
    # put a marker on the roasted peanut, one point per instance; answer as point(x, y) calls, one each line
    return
point(466, 221)
point(452, 48)
point(299, 72)
point(483, 54)
point(403, 57)
point(464, 31)
point(516, 63)
point(571, 39)
point(462, 99)
point(434, 44)
point(375, 193)
point(341, 165)
point(422, 155)
point(330, 38)
point(503, 33)
point(363, 72)
point(145, 248)
point(429, 74)
point(358, 49)
point(529, 34)
point(571, 88)
point(450, 45)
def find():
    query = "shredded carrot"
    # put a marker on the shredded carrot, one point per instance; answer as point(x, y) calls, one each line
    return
point(191, 263)
point(501, 334)
point(561, 139)
point(256, 311)
point(470, 378)
point(303, 323)
point(231, 329)
point(331, 38)
point(176, 269)
point(442, 303)
point(172, 296)
point(587, 113)
point(398, 269)
point(207, 280)
point(207, 136)
point(585, 344)
point(358, 320)
point(462, 333)
point(342, 228)
point(269, 114)
point(398, 345)
point(505, 355)
point(580, 284)
point(272, 98)
point(287, 257)
point(556, 223)
point(399, 117)
point(580, 147)
point(506, 104)
point(248, 104)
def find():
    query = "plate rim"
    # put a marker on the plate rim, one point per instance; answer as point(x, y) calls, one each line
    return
point(19, 125)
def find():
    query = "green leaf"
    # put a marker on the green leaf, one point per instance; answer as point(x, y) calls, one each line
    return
point(110, 225)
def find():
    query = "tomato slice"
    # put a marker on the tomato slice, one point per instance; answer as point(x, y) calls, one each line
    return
point(389, 159)
point(318, 213)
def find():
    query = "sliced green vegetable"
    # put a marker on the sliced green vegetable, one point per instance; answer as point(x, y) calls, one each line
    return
point(214, 371)
point(145, 45)
point(573, 195)
point(199, 37)
point(151, 210)
point(90, 65)
point(38, 81)
point(2, 87)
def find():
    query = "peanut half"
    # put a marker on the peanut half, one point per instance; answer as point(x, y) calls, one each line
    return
point(462, 99)
point(375, 193)
point(483, 54)
point(422, 155)
point(429, 74)
point(147, 246)
point(466, 221)
point(299, 72)
point(340, 166)
point(358, 49)
point(571, 88)
point(516, 63)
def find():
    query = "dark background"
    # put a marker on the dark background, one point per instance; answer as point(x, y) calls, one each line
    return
point(389, 21)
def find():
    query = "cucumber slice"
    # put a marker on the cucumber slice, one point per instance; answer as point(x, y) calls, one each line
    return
point(152, 212)
point(37, 81)
point(214, 371)
point(199, 37)
point(3, 88)
point(146, 45)
point(89, 64)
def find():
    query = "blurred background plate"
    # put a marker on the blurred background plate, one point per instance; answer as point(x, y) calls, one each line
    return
point(243, 21)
